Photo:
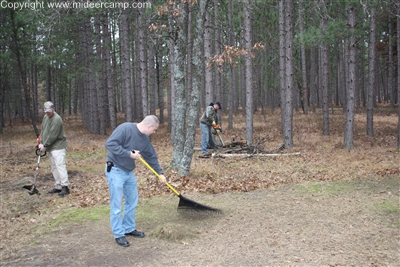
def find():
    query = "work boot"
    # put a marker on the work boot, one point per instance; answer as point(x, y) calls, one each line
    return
point(54, 190)
point(135, 233)
point(64, 191)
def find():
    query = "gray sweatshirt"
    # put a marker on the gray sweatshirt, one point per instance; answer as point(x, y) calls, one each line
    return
point(126, 138)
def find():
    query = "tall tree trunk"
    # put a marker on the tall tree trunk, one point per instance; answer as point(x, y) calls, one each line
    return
point(125, 65)
point(398, 74)
point(48, 82)
point(217, 51)
point(191, 121)
point(142, 62)
point(159, 68)
point(189, 54)
point(179, 81)
point(349, 126)
point(207, 56)
point(371, 73)
point(232, 73)
point(171, 61)
point(92, 100)
point(313, 79)
point(249, 72)
point(391, 89)
point(325, 79)
point(101, 80)
point(282, 66)
point(109, 74)
point(304, 94)
point(286, 21)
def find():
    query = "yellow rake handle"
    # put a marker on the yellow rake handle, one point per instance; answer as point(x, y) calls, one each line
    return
point(159, 177)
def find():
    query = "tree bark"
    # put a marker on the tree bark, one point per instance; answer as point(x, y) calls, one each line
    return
point(349, 126)
point(125, 65)
point(207, 56)
point(289, 28)
point(304, 89)
point(324, 79)
point(398, 74)
point(142, 62)
point(109, 74)
point(371, 73)
point(249, 72)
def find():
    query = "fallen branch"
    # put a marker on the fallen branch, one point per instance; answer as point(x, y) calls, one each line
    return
point(254, 155)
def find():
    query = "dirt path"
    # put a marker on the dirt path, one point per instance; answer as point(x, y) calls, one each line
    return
point(321, 224)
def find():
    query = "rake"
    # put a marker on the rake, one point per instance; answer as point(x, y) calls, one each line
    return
point(184, 203)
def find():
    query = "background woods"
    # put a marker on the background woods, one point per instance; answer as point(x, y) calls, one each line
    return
point(172, 58)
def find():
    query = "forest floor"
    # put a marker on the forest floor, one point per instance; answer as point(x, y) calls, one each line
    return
point(316, 204)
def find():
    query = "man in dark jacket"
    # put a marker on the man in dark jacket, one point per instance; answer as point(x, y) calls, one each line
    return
point(207, 120)
point(128, 142)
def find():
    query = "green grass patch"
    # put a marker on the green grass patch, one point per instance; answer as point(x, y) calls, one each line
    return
point(387, 206)
point(331, 188)
point(71, 216)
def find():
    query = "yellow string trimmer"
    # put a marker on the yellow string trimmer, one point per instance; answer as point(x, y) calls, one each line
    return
point(184, 203)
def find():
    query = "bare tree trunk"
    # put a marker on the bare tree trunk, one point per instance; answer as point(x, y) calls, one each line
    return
point(101, 80)
point(193, 112)
point(391, 90)
point(217, 51)
point(349, 126)
point(125, 65)
point(282, 66)
point(207, 56)
point(313, 80)
point(325, 80)
point(179, 81)
point(371, 73)
point(304, 94)
point(249, 72)
point(159, 67)
point(286, 12)
point(48, 82)
point(232, 78)
point(109, 74)
point(398, 73)
point(189, 55)
point(171, 94)
point(142, 62)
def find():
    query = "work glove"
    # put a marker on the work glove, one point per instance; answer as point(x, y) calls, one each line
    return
point(213, 124)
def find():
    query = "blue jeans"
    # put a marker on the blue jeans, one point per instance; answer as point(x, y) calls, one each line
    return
point(122, 184)
point(206, 137)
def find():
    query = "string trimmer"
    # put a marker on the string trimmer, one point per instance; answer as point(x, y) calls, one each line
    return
point(184, 203)
point(32, 188)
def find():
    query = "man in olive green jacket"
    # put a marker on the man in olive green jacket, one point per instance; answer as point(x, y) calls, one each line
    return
point(54, 142)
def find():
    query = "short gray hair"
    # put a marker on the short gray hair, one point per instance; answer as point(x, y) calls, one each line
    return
point(151, 120)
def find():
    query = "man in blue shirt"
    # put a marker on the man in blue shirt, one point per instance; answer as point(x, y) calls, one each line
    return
point(128, 142)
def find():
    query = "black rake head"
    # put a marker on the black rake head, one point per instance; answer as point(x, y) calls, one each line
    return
point(187, 204)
